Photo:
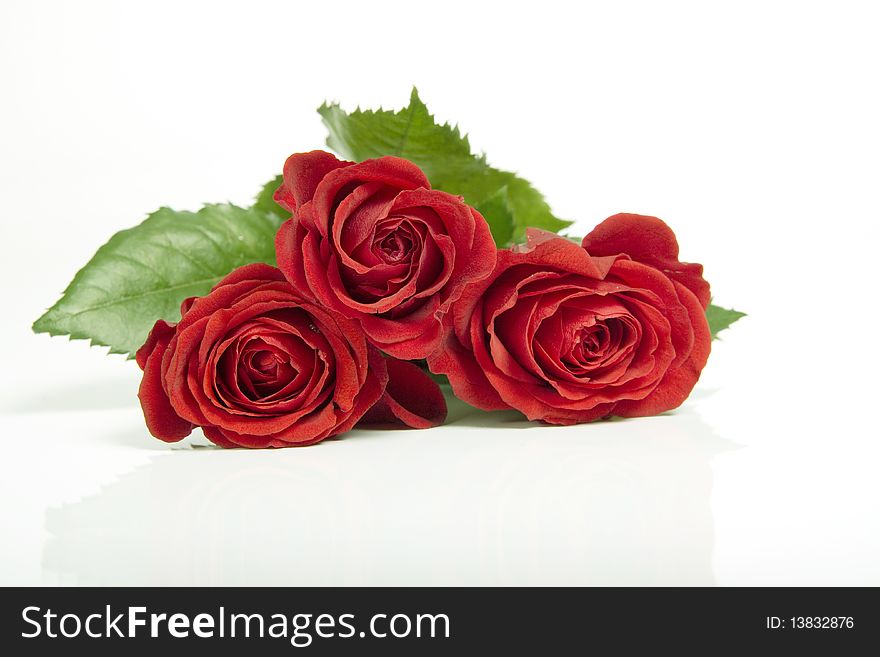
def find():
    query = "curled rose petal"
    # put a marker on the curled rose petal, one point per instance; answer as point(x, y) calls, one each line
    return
point(302, 174)
point(162, 420)
point(650, 241)
point(412, 399)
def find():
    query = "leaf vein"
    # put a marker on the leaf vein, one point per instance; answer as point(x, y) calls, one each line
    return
point(140, 295)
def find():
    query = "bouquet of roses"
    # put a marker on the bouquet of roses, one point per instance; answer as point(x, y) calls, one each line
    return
point(352, 286)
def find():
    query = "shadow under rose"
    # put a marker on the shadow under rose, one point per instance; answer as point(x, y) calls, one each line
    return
point(605, 504)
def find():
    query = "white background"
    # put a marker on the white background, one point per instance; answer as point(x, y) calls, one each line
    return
point(752, 128)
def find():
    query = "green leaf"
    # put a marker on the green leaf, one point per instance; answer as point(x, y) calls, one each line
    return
point(265, 201)
point(499, 215)
point(721, 318)
point(142, 274)
point(509, 203)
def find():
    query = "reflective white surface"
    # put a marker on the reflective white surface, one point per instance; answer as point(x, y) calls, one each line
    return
point(486, 500)
point(752, 130)
point(88, 498)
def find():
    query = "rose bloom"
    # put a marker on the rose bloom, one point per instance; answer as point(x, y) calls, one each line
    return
point(567, 334)
point(373, 242)
point(256, 365)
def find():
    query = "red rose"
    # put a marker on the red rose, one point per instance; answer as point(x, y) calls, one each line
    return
point(374, 243)
point(255, 365)
point(566, 337)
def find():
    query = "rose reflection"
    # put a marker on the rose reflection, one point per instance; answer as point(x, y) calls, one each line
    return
point(497, 501)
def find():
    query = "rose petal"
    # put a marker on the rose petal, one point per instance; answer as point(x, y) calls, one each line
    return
point(391, 171)
point(678, 382)
point(412, 399)
point(302, 174)
point(160, 334)
point(648, 240)
point(162, 420)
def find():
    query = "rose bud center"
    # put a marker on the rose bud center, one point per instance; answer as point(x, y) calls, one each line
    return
point(393, 245)
point(267, 367)
point(593, 339)
point(596, 342)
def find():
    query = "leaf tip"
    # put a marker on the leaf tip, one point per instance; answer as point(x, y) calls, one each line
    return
point(42, 324)
point(720, 318)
